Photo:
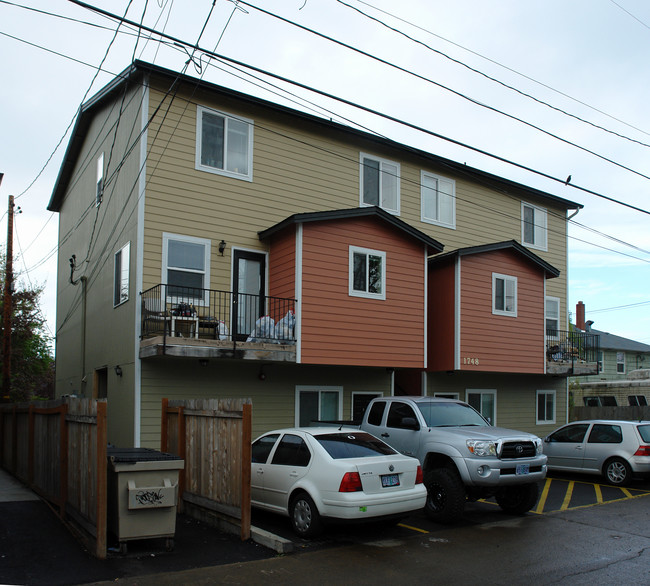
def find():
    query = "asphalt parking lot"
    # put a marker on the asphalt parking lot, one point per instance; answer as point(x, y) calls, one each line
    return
point(558, 493)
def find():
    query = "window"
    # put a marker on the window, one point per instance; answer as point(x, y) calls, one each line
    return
point(224, 144)
point(552, 316)
point(605, 434)
point(484, 401)
point(438, 200)
point(600, 361)
point(620, 362)
point(637, 400)
point(317, 404)
point(446, 395)
point(397, 413)
point(186, 267)
point(380, 183)
point(262, 447)
point(533, 226)
point(545, 407)
point(376, 413)
point(572, 434)
point(99, 185)
point(121, 275)
point(360, 403)
point(600, 401)
point(367, 273)
point(504, 295)
point(292, 451)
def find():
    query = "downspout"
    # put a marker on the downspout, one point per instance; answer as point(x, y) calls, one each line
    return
point(84, 288)
point(566, 390)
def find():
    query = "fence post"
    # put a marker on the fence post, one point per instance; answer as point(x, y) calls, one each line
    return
point(164, 430)
point(63, 451)
point(102, 474)
point(181, 453)
point(14, 439)
point(30, 448)
point(245, 527)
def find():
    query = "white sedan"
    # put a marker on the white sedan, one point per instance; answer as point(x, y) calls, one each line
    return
point(316, 473)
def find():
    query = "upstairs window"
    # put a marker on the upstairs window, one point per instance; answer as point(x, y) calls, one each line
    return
point(121, 275)
point(380, 183)
point(99, 185)
point(367, 273)
point(224, 144)
point(438, 200)
point(552, 316)
point(504, 295)
point(620, 362)
point(186, 268)
point(533, 226)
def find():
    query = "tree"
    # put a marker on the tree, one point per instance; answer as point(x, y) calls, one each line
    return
point(32, 363)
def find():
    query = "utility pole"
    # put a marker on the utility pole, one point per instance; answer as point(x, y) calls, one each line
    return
point(6, 313)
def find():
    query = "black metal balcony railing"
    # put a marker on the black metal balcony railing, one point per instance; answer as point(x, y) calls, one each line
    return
point(170, 310)
point(573, 347)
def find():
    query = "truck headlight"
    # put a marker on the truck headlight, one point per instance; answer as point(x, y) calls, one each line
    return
point(482, 448)
point(538, 446)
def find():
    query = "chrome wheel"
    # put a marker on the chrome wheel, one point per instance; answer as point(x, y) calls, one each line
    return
point(618, 472)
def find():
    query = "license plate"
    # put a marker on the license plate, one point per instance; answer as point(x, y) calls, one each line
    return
point(523, 469)
point(390, 480)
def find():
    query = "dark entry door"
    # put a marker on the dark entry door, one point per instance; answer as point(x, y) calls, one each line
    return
point(248, 294)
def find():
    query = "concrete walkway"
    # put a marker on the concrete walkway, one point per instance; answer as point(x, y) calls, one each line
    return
point(12, 490)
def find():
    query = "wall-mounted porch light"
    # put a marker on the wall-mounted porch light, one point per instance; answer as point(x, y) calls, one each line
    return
point(118, 370)
point(222, 247)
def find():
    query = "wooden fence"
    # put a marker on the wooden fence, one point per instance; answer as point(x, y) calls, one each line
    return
point(58, 449)
point(621, 412)
point(213, 436)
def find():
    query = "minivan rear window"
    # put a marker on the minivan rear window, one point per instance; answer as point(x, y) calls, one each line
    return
point(353, 445)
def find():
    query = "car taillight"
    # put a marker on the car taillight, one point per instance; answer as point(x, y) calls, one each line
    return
point(419, 477)
point(643, 451)
point(351, 482)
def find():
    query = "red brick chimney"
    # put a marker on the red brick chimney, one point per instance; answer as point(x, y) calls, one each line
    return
point(580, 315)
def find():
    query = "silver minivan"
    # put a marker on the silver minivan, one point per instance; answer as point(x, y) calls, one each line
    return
point(618, 450)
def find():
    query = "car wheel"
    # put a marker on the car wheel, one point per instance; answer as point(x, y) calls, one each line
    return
point(445, 495)
point(517, 500)
point(305, 519)
point(618, 472)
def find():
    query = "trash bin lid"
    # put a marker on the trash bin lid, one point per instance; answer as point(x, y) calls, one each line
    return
point(126, 455)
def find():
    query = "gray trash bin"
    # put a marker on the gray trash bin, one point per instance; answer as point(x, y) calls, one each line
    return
point(142, 494)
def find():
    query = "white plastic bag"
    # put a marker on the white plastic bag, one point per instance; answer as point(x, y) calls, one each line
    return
point(285, 328)
point(264, 331)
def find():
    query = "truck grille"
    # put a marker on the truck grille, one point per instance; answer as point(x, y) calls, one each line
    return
point(520, 449)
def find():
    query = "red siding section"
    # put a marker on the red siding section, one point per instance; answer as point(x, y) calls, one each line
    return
point(341, 329)
point(496, 343)
point(282, 265)
point(442, 296)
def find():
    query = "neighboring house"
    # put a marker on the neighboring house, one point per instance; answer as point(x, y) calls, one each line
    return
point(213, 244)
point(622, 377)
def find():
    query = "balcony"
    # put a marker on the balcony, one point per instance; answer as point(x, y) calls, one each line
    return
point(206, 323)
point(571, 353)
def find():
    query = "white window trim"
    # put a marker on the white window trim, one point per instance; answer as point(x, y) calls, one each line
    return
point(492, 392)
point(125, 270)
point(99, 183)
point(537, 209)
point(437, 222)
point(545, 421)
point(367, 251)
point(319, 389)
point(197, 163)
point(557, 301)
point(506, 278)
point(398, 177)
point(167, 236)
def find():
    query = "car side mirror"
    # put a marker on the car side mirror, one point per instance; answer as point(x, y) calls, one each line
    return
point(410, 423)
point(547, 439)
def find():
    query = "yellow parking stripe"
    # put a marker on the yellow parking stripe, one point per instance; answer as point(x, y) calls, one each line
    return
point(412, 528)
point(543, 497)
point(599, 494)
point(626, 492)
point(567, 496)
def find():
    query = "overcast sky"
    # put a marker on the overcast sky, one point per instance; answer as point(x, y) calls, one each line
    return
point(585, 63)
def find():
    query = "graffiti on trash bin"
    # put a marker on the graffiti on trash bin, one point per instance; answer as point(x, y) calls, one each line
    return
point(149, 497)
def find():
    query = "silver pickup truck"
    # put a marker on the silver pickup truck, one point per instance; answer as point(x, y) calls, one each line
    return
point(463, 457)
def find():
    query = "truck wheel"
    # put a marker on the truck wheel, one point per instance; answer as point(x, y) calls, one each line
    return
point(445, 496)
point(517, 500)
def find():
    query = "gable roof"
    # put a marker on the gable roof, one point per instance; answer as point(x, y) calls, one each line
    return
point(513, 245)
point(433, 246)
point(141, 68)
point(611, 342)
